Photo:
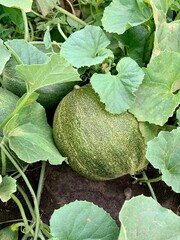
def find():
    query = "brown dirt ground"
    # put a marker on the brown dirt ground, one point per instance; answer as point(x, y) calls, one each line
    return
point(62, 185)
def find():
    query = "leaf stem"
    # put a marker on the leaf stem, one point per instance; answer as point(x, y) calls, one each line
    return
point(3, 163)
point(39, 15)
point(61, 31)
point(37, 228)
point(62, 10)
point(21, 209)
point(149, 180)
point(26, 30)
point(41, 181)
point(149, 186)
point(45, 231)
point(16, 110)
point(28, 203)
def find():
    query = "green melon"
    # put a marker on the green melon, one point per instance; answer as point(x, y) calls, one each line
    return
point(98, 145)
point(49, 96)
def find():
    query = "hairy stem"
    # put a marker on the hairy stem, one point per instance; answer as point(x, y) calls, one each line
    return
point(62, 10)
point(149, 186)
point(61, 31)
point(3, 163)
point(37, 227)
point(21, 209)
point(28, 203)
point(150, 180)
point(26, 30)
point(41, 181)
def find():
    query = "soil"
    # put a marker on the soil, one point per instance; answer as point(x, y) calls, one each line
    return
point(62, 185)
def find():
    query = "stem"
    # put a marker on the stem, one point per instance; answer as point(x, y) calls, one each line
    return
point(61, 31)
point(149, 186)
point(30, 189)
point(150, 180)
point(32, 31)
point(72, 9)
point(45, 231)
point(41, 181)
point(26, 30)
point(39, 15)
point(71, 16)
point(21, 209)
point(16, 110)
point(27, 201)
point(3, 162)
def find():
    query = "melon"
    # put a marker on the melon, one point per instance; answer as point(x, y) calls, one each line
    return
point(97, 144)
point(49, 96)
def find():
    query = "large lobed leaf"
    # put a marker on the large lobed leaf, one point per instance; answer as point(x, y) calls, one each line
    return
point(163, 152)
point(24, 5)
point(82, 220)
point(144, 218)
point(30, 136)
point(166, 34)
point(117, 91)
point(57, 70)
point(159, 95)
point(26, 53)
point(121, 15)
point(134, 41)
point(86, 47)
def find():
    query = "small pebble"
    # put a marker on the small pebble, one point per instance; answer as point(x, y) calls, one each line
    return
point(128, 193)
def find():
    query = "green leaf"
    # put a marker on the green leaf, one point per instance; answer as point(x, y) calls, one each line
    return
point(82, 220)
point(24, 5)
point(178, 116)
point(26, 52)
point(117, 91)
point(7, 187)
point(149, 131)
point(163, 152)
point(158, 95)
point(86, 47)
point(5, 55)
point(15, 16)
point(134, 40)
point(144, 218)
point(160, 8)
point(121, 15)
point(166, 34)
point(57, 70)
point(30, 136)
point(7, 104)
point(47, 38)
point(9, 233)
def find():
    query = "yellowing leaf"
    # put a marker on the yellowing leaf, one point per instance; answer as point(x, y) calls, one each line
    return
point(159, 95)
point(163, 152)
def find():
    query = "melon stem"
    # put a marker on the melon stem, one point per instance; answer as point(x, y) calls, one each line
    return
point(149, 186)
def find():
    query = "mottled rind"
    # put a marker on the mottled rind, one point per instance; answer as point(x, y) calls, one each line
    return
point(99, 145)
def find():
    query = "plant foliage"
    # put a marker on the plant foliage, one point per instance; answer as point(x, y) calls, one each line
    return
point(129, 51)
